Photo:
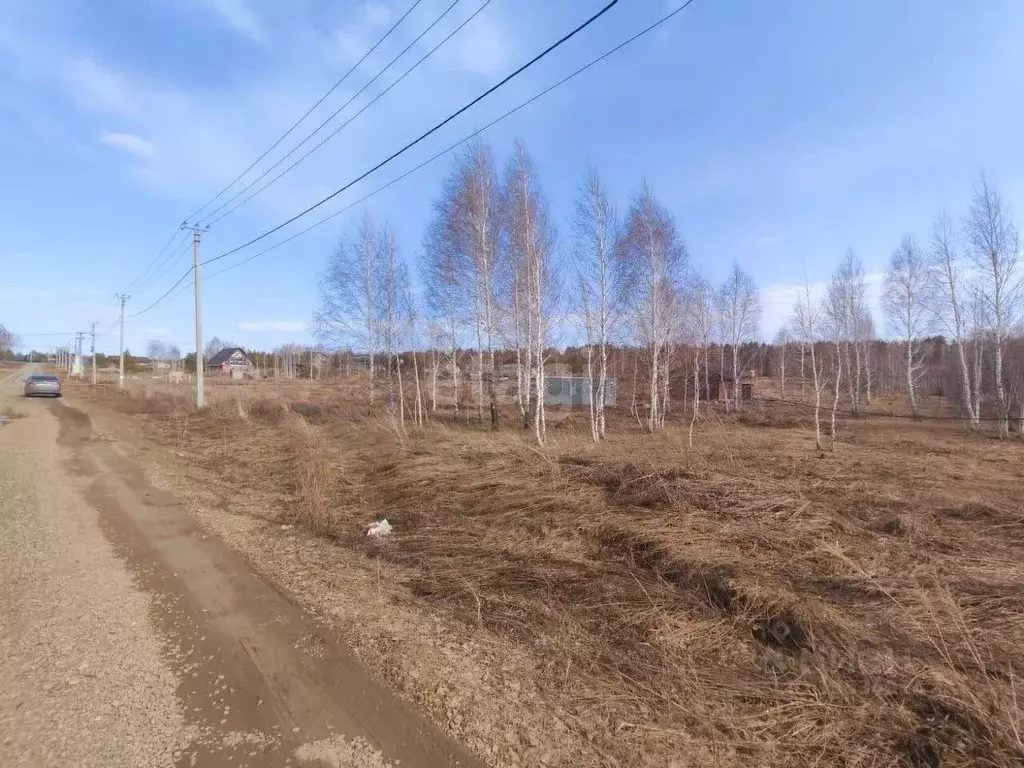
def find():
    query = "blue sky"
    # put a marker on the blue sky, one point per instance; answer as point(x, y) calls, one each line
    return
point(779, 134)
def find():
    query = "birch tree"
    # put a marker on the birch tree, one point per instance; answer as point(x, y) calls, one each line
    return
point(392, 311)
point(7, 342)
point(837, 375)
point(598, 277)
point(782, 342)
point(698, 326)
point(349, 296)
point(807, 321)
point(849, 318)
point(740, 306)
point(906, 302)
point(480, 221)
point(654, 260)
point(447, 275)
point(700, 311)
point(994, 251)
point(532, 285)
point(949, 308)
point(461, 263)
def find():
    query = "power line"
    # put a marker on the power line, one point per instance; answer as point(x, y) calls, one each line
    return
point(162, 297)
point(433, 158)
point(155, 260)
point(572, 75)
point(341, 127)
point(565, 38)
point(282, 137)
point(307, 113)
point(163, 268)
point(333, 116)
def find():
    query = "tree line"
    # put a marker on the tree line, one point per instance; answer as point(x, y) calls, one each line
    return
point(498, 285)
point(961, 289)
point(496, 282)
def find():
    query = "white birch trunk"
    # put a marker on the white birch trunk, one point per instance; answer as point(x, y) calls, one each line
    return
point(1004, 410)
point(418, 417)
point(401, 392)
point(736, 391)
point(817, 400)
point(592, 395)
point(435, 365)
point(696, 393)
point(911, 393)
point(782, 371)
point(835, 399)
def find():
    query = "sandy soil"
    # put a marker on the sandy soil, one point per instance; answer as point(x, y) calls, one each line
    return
point(133, 637)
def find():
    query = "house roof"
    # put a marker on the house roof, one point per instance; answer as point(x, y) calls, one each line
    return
point(225, 355)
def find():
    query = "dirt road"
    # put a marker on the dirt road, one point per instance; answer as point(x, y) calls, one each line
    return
point(131, 637)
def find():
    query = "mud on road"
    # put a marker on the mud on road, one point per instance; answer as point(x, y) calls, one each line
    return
point(135, 638)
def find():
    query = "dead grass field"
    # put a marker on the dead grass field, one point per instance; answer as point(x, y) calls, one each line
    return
point(746, 602)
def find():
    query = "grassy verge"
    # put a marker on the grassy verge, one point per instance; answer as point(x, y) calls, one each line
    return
point(745, 602)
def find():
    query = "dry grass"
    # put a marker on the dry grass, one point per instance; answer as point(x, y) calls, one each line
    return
point(746, 602)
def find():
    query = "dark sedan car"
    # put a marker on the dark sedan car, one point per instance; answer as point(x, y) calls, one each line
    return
point(42, 384)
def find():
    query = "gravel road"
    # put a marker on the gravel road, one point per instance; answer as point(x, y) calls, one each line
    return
point(131, 637)
point(82, 682)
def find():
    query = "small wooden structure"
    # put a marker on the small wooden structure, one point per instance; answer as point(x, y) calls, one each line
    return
point(718, 388)
point(722, 389)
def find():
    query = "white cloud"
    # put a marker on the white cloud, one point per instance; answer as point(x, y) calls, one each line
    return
point(377, 13)
point(199, 136)
point(282, 326)
point(97, 88)
point(482, 48)
point(128, 142)
point(352, 43)
point(235, 13)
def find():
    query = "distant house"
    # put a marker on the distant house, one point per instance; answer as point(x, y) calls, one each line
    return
point(233, 361)
point(571, 390)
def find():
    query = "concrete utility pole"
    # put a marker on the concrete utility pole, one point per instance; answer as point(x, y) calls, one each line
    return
point(200, 363)
point(71, 358)
point(122, 298)
point(92, 332)
point(76, 368)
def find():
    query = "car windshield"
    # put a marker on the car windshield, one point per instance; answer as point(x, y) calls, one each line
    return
point(44, 378)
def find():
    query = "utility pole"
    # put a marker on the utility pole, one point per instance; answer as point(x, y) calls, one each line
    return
point(77, 365)
point(71, 358)
point(200, 363)
point(92, 332)
point(120, 378)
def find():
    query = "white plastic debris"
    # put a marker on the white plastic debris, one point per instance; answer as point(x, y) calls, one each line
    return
point(380, 528)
